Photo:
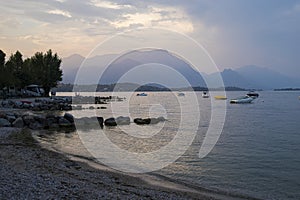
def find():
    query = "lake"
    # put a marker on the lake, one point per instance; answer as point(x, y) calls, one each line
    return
point(257, 154)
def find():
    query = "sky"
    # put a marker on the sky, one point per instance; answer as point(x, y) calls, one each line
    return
point(234, 32)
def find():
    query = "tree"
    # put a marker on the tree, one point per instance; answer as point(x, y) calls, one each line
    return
point(14, 68)
point(2, 69)
point(45, 70)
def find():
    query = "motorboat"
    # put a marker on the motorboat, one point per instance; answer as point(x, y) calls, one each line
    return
point(220, 97)
point(180, 94)
point(141, 94)
point(241, 100)
point(253, 94)
point(205, 94)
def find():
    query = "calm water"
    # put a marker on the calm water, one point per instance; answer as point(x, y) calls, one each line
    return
point(257, 154)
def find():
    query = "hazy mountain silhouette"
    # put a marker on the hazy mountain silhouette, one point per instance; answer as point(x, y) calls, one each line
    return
point(134, 67)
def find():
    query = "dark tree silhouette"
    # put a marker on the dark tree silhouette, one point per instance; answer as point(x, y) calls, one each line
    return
point(2, 69)
point(45, 70)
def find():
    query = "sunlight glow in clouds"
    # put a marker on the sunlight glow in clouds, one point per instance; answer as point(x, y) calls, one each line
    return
point(167, 17)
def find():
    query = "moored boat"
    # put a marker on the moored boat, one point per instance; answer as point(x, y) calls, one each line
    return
point(205, 94)
point(141, 94)
point(220, 97)
point(180, 94)
point(253, 94)
point(241, 100)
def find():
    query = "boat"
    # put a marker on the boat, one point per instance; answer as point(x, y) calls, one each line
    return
point(205, 94)
point(253, 94)
point(180, 94)
point(141, 94)
point(241, 100)
point(220, 97)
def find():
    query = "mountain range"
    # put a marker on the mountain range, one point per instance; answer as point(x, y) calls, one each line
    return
point(140, 67)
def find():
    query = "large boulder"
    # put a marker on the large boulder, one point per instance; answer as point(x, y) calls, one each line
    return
point(110, 122)
point(18, 123)
point(69, 117)
point(4, 123)
point(123, 120)
point(141, 121)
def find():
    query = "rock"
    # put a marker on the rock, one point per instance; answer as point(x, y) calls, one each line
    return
point(4, 123)
point(123, 120)
point(53, 126)
point(64, 123)
point(50, 115)
point(18, 123)
point(36, 108)
point(69, 117)
point(110, 122)
point(2, 115)
point(42, 120)
point(141, 121)
point(26, 106)
point(28, 119)
point(44, 107)
point(154, 120)
point(11, 118)
point(36, 126)
point(161, 119)
point(67, 107)
point(100, 121)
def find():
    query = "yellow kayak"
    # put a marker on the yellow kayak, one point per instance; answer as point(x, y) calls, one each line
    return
point(220, 97)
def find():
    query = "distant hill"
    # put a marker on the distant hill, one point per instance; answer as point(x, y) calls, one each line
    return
point(267, 78)
point(125, 69)
point(157, 71)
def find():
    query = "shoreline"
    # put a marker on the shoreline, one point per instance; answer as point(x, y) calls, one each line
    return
point(30, 171)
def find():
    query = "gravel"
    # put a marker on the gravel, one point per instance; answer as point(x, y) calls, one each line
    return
point(28, 171)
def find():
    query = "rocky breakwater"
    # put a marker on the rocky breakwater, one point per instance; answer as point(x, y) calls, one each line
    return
point(37, 122)
point(38, 104)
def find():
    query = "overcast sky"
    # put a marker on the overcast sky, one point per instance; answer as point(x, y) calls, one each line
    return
point(234, 32)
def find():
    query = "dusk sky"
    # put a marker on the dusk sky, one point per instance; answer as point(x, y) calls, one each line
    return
point(235, 32)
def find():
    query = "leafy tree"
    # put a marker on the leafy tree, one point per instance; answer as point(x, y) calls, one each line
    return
point(45, 70)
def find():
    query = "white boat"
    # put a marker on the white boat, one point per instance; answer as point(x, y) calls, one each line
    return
point(181, 94)
point(205, 94)
point(253, 94)
point(141, 94)
point(243, 99)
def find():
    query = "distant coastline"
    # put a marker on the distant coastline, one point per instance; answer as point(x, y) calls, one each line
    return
point(287, 89)
point(126, 87)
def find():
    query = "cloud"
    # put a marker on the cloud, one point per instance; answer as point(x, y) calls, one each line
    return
point(109, 5)
point(234, 32)
point(60, 12)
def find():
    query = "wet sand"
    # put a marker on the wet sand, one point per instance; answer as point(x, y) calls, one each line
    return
point(30, 171)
